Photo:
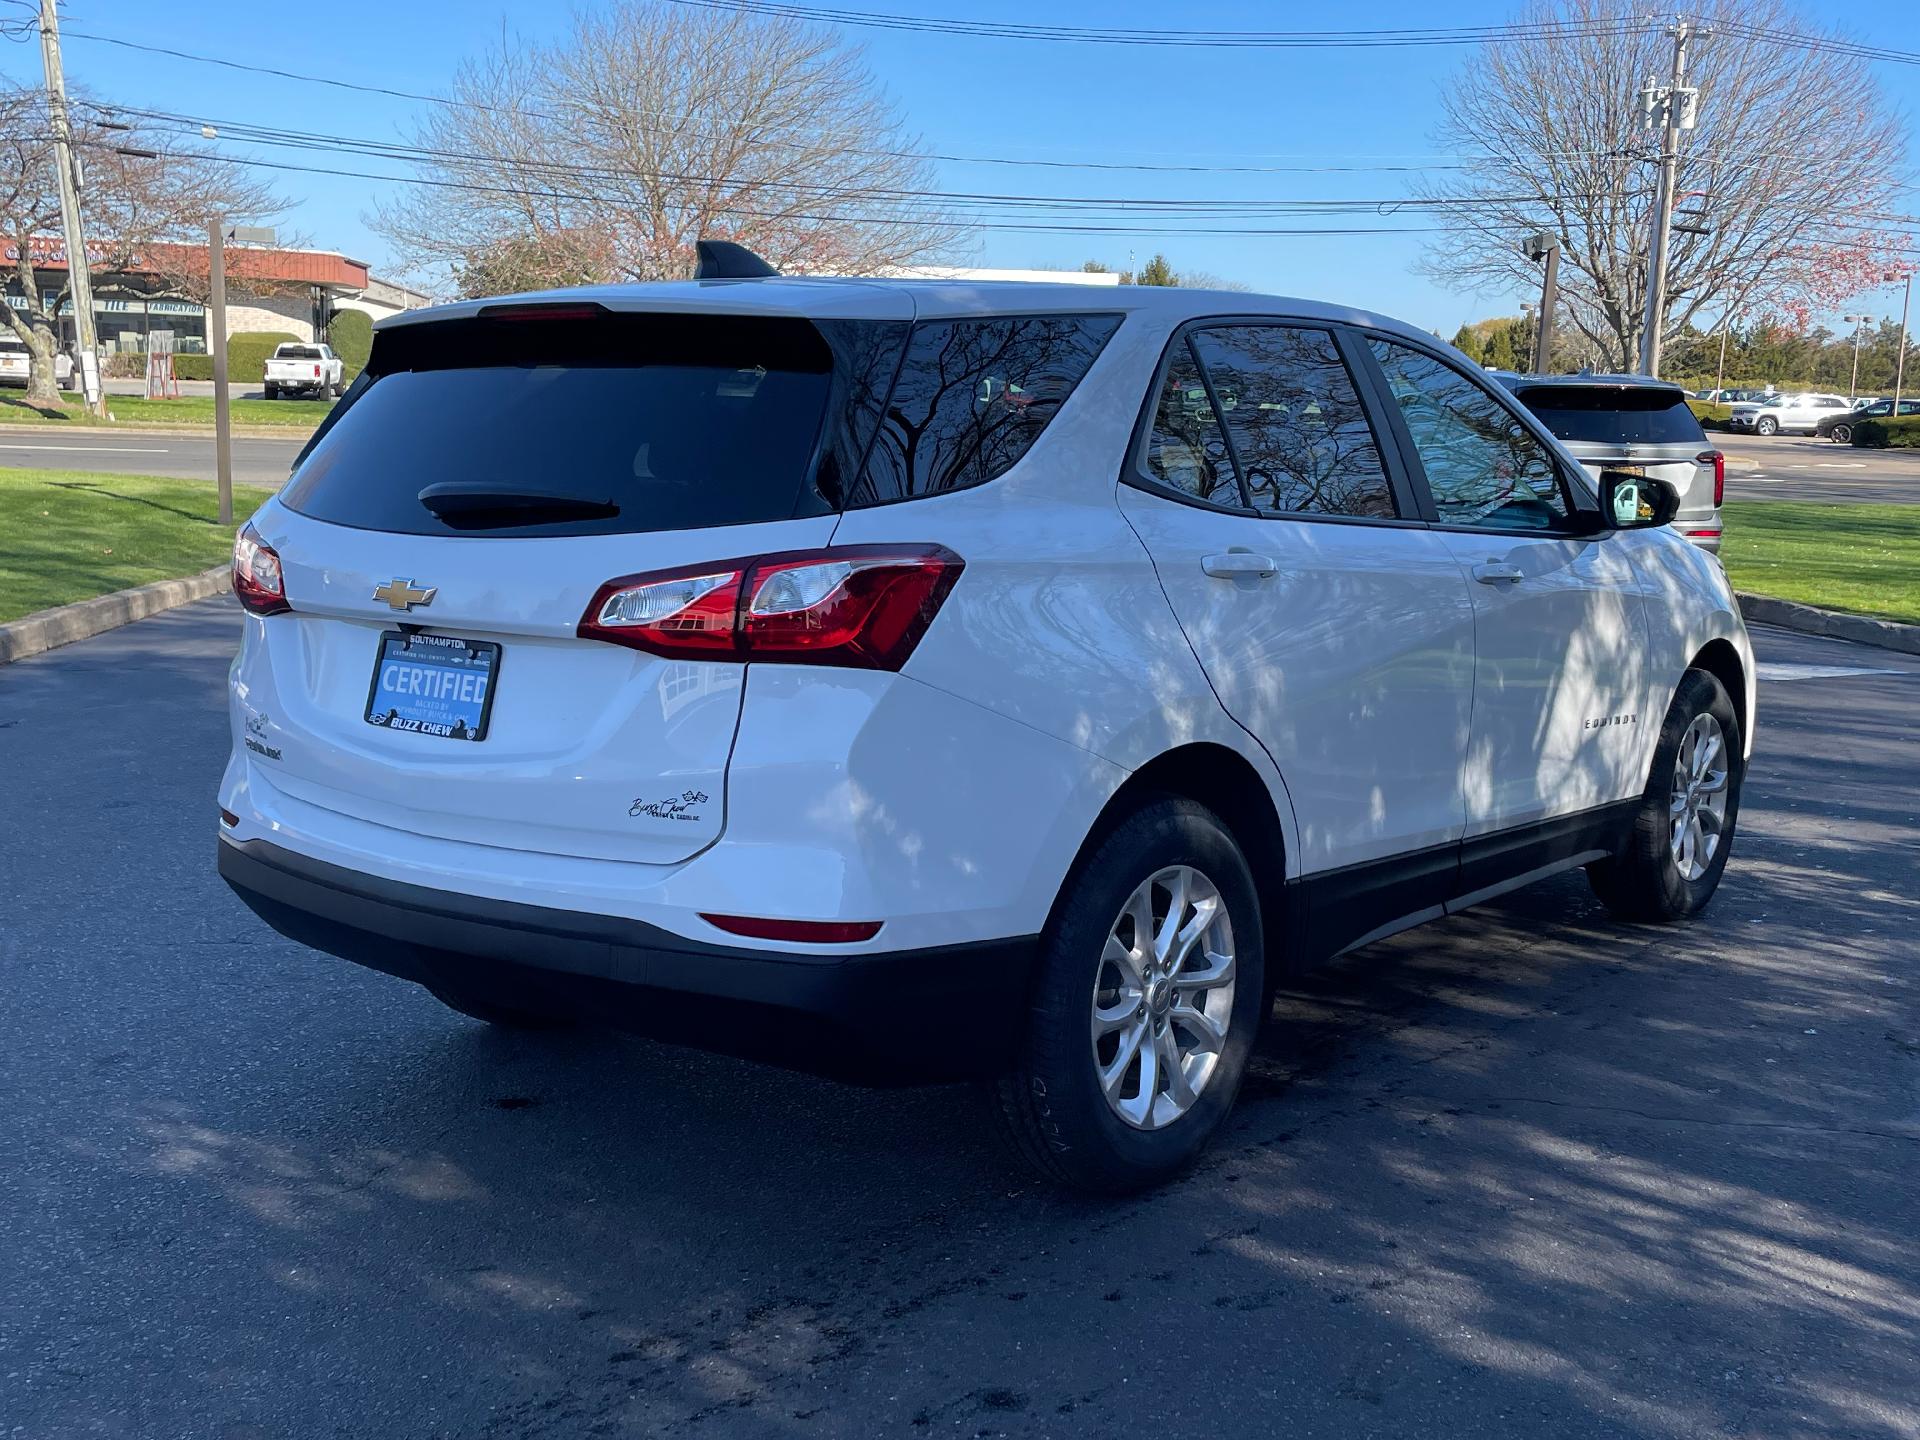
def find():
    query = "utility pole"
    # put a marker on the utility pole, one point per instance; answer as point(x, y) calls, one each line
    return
point(1675, 107)
point(217, 344)
point(1544, 246)
point(79, 281)
point(1720, 374)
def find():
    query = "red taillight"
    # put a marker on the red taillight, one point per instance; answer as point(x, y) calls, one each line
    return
point(257, 579)
point(1719, 463)
point(863, 606)
point(811, 932)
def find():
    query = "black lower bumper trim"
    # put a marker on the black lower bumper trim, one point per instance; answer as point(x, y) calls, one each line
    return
point(911, 1016)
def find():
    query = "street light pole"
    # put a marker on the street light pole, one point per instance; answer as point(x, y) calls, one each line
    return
point(1859, 323)
point(79, 281)
point(1720, 373)
point(1676, 110)
point(1900, 365)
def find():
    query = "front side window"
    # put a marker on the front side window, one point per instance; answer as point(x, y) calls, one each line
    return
point(1483, 467)
point(1298, 431)
point(972, 397)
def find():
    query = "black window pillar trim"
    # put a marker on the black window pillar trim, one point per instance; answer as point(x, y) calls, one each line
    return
point(1219, 415)
point(1391, 436)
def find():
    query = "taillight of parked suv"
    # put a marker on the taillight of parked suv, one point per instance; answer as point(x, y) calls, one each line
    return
point(257, 580)
point(862, 606)
point(1719, 463)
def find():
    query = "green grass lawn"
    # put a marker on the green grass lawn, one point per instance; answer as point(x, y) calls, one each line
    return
point(68, 535)
point(189, 410)
point(1862, 558)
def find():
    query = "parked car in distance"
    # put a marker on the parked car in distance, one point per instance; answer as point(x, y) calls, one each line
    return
point(1839, 428)
point(924, 680)
point(303, 369)
point(15, 361)
point(1798, 412)
point(1643, 426)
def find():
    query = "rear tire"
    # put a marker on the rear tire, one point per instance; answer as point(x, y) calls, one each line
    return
point(1664, 873)
point(507, 1017)
point(273, 392)
point(1107, 981)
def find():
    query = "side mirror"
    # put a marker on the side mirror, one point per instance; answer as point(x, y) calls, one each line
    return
point(1636, 502)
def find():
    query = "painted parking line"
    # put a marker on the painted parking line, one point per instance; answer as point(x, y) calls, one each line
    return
point(94, 449)
point(1786, 670)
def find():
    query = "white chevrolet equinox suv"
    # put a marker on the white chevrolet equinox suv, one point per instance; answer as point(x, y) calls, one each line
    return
point(919, 680)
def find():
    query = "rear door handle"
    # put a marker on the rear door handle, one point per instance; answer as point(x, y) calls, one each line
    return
point(1238, 562)
point(1498, 572)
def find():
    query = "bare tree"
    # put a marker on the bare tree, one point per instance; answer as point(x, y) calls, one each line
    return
point(1789, 165)
point(606, 154)
point(144, 211)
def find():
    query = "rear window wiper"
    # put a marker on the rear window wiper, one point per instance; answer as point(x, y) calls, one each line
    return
point(491, 507)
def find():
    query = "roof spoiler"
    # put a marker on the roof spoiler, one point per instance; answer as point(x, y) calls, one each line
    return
point(724, 260)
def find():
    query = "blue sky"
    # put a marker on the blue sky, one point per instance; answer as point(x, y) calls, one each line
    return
point(962, 94)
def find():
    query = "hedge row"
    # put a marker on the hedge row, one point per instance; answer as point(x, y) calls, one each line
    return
point(1711, 417)
point(351, 336)
point(1900, 434)
point(246, 358)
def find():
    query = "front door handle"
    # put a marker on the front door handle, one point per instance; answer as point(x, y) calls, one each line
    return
point(1498, 572)
point(1238, 562)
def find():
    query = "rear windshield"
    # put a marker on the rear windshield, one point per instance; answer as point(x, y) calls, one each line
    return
point(624, 423)
point(1614, 415)
point(297, 352)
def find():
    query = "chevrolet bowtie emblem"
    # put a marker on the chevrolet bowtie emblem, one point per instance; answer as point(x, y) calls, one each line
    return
point(401, 595)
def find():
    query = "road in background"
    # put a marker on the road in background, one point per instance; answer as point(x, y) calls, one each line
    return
point(1793, 467)
point(134, 452)
point(1522, 1173)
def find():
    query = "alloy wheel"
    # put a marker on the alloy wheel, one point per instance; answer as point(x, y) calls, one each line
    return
point(1163, 997)
point(1697, 812)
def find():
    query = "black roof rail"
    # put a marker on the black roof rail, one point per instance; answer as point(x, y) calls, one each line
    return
point(724, 260)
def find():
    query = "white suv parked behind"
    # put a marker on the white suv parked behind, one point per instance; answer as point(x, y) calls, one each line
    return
point(1785, 413)
point(925, 680)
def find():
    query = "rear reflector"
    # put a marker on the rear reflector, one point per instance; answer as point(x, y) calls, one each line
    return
point(1719, 463)
point(861, 606)
point(257, 579)
point(810, 932)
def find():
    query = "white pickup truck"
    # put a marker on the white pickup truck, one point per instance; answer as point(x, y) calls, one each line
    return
point(303, 369)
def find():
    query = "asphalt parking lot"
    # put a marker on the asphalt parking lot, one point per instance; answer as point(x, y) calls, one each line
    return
point(1799, 467)
point(1524, 1173)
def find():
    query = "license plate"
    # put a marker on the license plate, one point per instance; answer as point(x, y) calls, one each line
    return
point(433, 685)
point(1629, 469)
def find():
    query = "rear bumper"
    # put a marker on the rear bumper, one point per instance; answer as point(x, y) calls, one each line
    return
point(911, 1016)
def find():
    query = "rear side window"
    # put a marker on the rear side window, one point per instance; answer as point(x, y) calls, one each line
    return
point(1622, 415)
point(1186, 450)
point(607, 424)
point(971, 398)
point(1298, 432)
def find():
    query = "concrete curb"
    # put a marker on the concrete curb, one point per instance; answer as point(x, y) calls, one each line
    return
point(63, 624)
point(1811, 620)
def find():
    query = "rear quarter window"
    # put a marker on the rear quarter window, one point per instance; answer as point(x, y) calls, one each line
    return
point(971, 398)
point(1603, 415)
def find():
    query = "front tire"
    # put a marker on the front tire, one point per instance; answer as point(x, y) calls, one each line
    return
point(1766, 425)
point(1678, 847)
point(1148, 995)
point(1842, 434)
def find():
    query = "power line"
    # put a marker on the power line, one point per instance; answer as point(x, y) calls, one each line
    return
point(1202, 39)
